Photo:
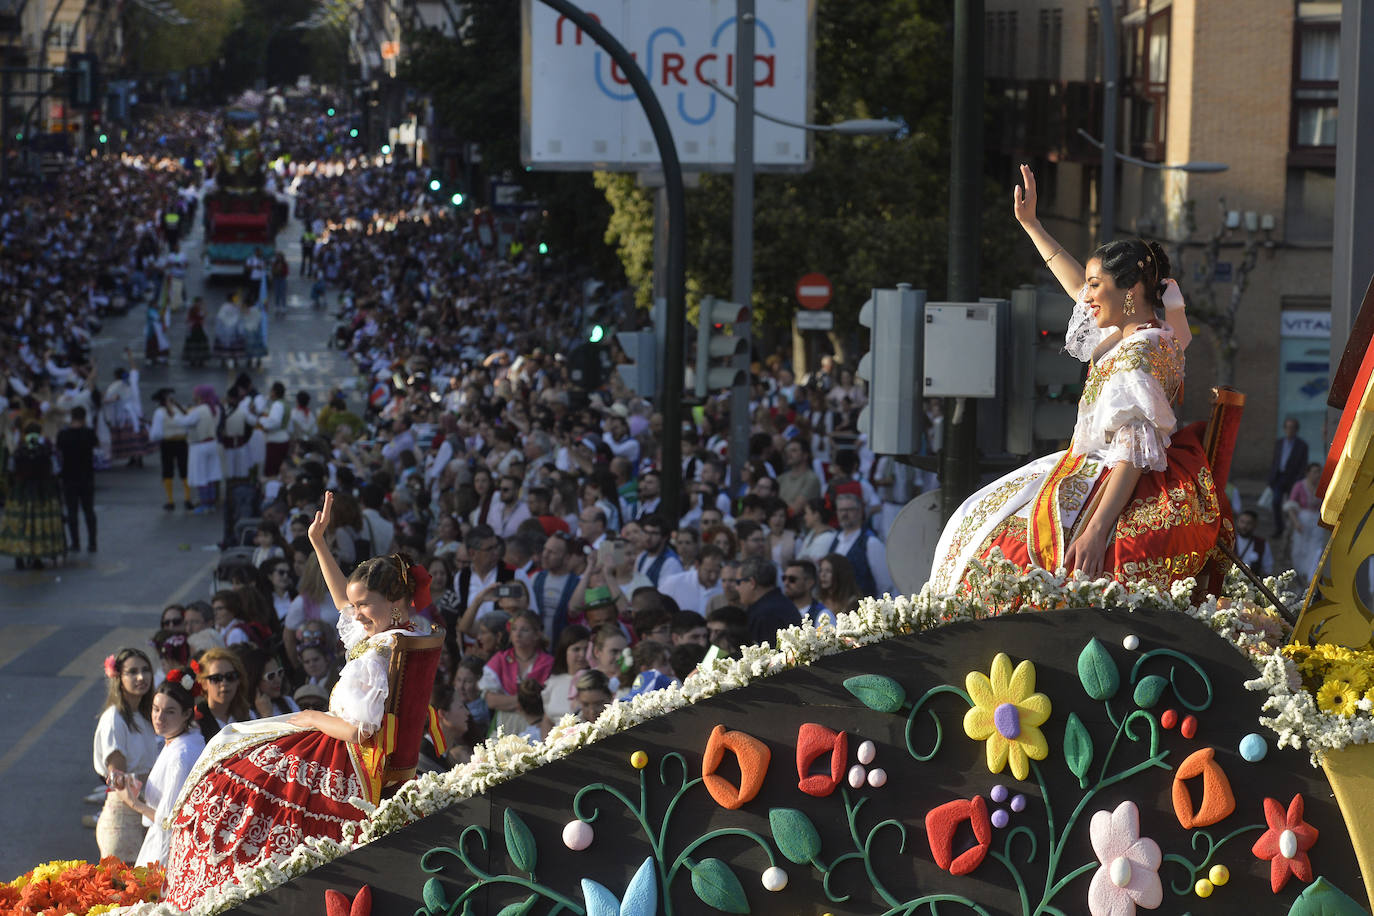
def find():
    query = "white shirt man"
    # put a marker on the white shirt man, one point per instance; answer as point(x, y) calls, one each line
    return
point(845, 542)
point(508, 510)
point(694, 589)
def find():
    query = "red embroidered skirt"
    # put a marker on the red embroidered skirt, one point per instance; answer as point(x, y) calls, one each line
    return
point(256, 803)
point(1167, 531)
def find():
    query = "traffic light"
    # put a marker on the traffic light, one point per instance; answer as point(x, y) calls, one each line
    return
point(329, 112)
point(892, 369)
point(1043, 384)
point(435, 184)
point(386, 149)
point(83, 81)
point(353, 132)
point(543, 247)
point(457, 199)
point(596, 333)
point(588, 365)
point(722, 345)
point(641, 372)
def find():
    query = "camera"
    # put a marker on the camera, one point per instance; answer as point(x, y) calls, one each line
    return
point(509, 590)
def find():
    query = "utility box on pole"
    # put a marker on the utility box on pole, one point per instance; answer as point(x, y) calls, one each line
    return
point(892, 367)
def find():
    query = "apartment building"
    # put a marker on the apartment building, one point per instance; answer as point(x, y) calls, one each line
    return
point(1250, 84)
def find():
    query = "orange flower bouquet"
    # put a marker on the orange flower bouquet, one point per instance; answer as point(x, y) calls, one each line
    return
point(77, 888)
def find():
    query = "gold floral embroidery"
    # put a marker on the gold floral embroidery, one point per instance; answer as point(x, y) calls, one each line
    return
point(1162, 359)
point(1161, 571)
point(1192, 504)
point(986, 507)
point(1013, 525)
point(1074, 489)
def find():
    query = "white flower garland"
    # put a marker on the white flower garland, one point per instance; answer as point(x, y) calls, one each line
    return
point(1255, 629)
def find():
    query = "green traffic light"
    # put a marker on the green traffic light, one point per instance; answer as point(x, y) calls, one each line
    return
point(19, 136)
point(353, 132)
point(543, 248)
point(435, 184)
point(386, 149)
point(103, 138)
point(457, 198)
point(598, 334)
point(329, 112)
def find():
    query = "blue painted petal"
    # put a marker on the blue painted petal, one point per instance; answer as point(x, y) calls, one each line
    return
point(600, 902)
point(641, 897)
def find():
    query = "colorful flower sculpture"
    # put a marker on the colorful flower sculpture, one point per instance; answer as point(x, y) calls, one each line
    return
point(1129, 876)
point(1286, 842)
point(1007, 713)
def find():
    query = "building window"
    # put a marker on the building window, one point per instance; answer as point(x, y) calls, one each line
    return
point(1050, 45)
point(1147, 85)
point(1309, 210)
point(999, 44)
point(1316, 72)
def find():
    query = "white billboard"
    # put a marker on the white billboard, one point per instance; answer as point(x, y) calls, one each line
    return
point(579, 112)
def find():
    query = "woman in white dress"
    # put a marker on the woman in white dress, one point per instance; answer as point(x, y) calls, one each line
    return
point(1308, 537)
point(1132, 498)
point(125, 748)
point(263, 787)
point(201, 421)
point(173, 720)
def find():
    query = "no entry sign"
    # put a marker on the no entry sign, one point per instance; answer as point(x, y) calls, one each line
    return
point(814, 291)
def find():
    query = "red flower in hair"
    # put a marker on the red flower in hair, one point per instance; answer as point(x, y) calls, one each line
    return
point(111, 668)
point(422, 580)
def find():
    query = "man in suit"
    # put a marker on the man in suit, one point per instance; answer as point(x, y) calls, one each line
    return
point(1290, 463)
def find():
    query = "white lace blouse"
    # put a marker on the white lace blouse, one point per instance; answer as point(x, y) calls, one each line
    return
point(1125, 413)
point(359, 697)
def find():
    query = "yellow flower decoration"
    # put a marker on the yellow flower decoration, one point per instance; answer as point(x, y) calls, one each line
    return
point(1007, 713)
point(1357, 675)
point(1338, 698)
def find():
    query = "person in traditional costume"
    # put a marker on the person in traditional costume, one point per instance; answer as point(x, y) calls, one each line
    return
point(172, 445)
point(122, 409)
point(204, 471)
point(196, 349)
point(1132, 498)
point(264, 786)
point(31, 529)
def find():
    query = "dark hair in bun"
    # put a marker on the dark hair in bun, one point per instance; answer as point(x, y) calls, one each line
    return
point(389, 576)
point(1132, 261)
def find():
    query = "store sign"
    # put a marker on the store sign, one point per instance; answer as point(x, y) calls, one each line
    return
point(1305, 323)
point(579, 111)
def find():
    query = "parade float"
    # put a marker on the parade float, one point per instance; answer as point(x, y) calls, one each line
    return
point(241, 215)
point(1043, 745)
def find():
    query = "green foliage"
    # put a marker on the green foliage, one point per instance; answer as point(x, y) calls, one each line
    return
point(795, 835)
point(1078, 748)
point(520, 842)
point(1097, 671)
point(877, 691)
point(1149, 690)
point(718, 887)
point(158, 46)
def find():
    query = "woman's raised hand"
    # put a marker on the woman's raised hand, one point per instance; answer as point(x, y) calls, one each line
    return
point(320, 526)
point(1024, 200)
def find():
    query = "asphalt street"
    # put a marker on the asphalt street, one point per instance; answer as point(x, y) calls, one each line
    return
point(58, 624)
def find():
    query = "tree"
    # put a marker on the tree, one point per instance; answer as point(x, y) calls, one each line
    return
point(872, 211)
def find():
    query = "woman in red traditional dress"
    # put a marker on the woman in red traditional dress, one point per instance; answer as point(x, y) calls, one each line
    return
point(1132, 498)
point(264, 786)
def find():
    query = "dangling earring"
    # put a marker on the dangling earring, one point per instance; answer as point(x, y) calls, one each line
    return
point(1130, 303)
point(395, 618)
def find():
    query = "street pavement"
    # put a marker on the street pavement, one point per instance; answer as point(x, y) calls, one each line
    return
point(58, 624)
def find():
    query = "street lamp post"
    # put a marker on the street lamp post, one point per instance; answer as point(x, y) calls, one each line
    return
point(1201, 166)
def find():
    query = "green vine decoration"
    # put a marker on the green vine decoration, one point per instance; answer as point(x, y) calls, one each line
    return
point(1173, 683)
point(1213, 846)
point(658, 840)
point(863, 851)
point(916, 707)
point(433, 893)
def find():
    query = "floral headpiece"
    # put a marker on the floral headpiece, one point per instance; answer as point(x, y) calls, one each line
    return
point(111, 669)
point(186, 677)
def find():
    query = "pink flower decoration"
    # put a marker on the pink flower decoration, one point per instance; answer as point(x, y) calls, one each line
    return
point(111, 670)
point(1129, 876)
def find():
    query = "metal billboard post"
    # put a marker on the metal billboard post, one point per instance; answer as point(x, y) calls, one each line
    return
point(742, 275)
point(676, 291)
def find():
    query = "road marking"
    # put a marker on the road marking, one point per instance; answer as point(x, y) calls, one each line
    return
point(93, 659)
point(19, 638)
point(179, 596)
point(50, 718)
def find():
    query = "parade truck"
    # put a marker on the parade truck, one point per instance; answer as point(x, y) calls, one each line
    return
point(241, 214)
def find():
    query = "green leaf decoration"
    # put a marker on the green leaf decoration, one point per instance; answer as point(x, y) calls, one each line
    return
point(433, 896)
point(1322, 898)
point(520, 843)
point(523, 908)
point(1078, 748)
point(1149, 690)
point(1097, 671)
point(877, 692)
point(718, 887)
point(795, 835)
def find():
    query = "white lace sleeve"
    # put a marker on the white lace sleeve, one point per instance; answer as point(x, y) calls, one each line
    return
point(1124, 414)
point(359, 698)
point(1083, 336)
point(350, 631)
point(1140, 443)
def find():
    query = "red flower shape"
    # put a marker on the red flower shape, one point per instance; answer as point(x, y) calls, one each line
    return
point(1285, 843)
point(941, 824)
point(338, 904)
point(813, 740)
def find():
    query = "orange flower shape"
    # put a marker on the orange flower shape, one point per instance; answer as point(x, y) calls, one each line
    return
point(1285, 843)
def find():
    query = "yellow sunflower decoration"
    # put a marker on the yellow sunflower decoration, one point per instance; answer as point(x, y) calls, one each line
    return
point(1007, 713)
point(1339, 698)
